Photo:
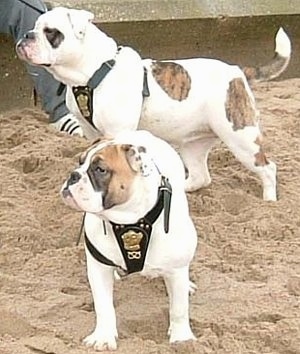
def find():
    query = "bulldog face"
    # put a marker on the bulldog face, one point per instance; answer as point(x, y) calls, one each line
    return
point(104, 178)
point(55, 38)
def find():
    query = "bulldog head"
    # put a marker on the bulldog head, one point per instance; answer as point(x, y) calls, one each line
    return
point(56, 37)
point(107, 176)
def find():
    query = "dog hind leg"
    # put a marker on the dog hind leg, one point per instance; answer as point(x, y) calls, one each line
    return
point(246, 146)
point(256, 161)
point(238, 128)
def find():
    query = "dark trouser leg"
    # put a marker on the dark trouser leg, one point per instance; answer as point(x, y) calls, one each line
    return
point(16, 18)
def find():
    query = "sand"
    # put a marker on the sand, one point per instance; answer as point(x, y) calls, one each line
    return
point(246, 266)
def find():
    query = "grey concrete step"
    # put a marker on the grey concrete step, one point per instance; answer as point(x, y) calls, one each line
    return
point(145, 10)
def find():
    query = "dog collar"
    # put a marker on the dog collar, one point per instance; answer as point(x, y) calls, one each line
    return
point(84, 94)
point(133, 239)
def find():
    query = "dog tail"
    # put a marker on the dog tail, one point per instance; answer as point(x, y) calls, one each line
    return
point(277, 65)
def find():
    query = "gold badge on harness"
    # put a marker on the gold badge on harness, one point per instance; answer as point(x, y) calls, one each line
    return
point(131, 240)
point(83, 103)
point(84, 99)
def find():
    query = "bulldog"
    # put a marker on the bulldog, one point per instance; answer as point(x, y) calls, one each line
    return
point(191, 103)
point(131, 189)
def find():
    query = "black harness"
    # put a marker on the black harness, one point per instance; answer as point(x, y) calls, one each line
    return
point(133, 239)
point(84, 94)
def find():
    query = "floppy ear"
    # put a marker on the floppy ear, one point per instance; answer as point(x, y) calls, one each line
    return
point(137, 158)
point(79, 20)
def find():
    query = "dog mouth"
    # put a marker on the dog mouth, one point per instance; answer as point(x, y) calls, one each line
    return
point(69, 199)
point(24, 53)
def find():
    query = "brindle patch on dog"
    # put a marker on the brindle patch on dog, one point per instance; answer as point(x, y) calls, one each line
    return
point(267, 72)
point(251, 73)
point(260, 157)
point(239, 107)
point(172, 78)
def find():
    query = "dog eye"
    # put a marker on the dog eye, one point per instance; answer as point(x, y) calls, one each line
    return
point(101, 170)
point(54, 36)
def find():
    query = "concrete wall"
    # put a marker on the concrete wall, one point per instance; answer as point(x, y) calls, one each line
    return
point(236, 31)
point(145, 10)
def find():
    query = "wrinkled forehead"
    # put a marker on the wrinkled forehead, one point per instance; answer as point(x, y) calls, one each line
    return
point(96, 150)
point(56, 18)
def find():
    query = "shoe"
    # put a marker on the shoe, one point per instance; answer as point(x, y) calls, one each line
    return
point(68, 124)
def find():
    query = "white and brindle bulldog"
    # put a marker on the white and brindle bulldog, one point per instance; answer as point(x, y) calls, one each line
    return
point(190, 103)
point(137, 220)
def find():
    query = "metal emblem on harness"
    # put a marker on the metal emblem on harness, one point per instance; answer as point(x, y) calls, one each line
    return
point(131, 240)
point(82, 100)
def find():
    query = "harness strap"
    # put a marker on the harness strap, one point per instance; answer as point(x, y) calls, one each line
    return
point(100, 74)
point(133, 239)
point(84, 94)
point(146, 91)
point(60, 89)
point(100, 257)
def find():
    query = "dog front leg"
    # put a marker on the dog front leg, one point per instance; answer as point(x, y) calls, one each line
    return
point(178, 287)
point(101, 279)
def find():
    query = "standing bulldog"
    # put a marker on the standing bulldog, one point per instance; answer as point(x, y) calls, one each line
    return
point(137, 220)
point(190, 103)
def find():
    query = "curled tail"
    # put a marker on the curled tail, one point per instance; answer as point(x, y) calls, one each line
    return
point(277, 65)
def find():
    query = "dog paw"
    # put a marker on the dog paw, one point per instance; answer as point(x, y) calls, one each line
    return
point(193, 184)
point(101, 342)
point(180, 333)
point(181, 337)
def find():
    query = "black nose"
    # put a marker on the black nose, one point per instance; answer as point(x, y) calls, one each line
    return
point(29, 35)
point(74, 178)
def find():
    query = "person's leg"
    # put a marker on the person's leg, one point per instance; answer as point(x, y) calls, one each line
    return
point(16, 18)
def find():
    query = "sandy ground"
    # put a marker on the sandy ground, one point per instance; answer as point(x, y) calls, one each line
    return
point(246, 267)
